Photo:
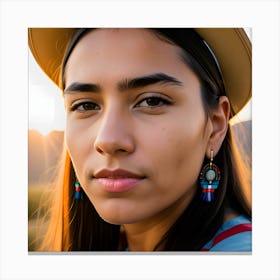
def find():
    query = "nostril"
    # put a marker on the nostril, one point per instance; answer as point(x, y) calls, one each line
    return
point(110, 151)
point(121, 150)
point(115, 144)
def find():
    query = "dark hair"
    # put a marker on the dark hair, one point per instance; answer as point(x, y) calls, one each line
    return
point(200, 220)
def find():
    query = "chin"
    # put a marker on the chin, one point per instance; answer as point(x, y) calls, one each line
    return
point(118, 220)
point(119, 211)
point(119, 217)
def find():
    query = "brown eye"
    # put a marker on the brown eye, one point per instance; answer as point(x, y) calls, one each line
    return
point(85, 106)
point(152, 102)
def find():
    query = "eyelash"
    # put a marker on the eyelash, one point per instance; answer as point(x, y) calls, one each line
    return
point(163, 101)
point(75, 107)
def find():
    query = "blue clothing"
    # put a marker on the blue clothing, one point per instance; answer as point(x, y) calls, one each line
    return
point(233, 236)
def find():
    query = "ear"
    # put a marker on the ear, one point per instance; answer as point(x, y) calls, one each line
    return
point(219, 118)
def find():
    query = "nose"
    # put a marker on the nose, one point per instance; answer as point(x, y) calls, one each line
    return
point(114, 133)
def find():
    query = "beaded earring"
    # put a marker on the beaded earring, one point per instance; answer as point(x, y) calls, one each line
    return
point(78, 191)
point(209, 180)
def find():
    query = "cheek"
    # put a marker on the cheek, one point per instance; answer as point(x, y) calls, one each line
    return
point(178, 152)
point(77, 143)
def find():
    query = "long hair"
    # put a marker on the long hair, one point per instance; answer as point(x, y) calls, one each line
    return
point(76, 226)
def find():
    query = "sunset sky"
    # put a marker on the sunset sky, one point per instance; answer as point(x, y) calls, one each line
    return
point(46, 111)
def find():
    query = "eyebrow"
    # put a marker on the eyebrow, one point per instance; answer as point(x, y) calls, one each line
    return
point(148, 80)
point(83, 87)
point(127, 84)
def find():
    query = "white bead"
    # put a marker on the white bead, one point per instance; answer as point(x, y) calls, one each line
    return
point(210, 175)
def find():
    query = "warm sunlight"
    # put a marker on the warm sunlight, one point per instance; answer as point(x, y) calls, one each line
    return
point(46, 111)
point(41, 110)
point(244, 115)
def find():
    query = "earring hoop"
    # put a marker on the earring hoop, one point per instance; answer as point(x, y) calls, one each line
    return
point(209, 180)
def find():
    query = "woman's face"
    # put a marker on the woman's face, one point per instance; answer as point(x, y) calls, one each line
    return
point(136, 129)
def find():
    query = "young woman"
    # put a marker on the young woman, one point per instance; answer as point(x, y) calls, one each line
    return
point(150, 164)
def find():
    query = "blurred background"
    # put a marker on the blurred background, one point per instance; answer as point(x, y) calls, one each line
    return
point(45, 142)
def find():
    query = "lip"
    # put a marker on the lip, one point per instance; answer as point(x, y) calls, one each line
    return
point(118, 180)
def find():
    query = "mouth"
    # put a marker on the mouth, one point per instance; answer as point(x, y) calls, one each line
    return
point(118, 180)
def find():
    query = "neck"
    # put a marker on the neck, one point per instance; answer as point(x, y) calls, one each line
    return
point(145, 235)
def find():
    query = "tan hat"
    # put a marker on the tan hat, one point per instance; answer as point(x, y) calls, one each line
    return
point(231, 47)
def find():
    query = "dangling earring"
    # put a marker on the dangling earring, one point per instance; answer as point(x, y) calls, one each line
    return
point(78, 191)
point(209, 180)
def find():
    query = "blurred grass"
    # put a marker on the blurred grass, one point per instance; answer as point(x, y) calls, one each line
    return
point(38, 206)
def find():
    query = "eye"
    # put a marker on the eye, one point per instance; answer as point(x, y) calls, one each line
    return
point(153, 101)
point(85, 106)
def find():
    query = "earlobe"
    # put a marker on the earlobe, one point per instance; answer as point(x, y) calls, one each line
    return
point(219, 118)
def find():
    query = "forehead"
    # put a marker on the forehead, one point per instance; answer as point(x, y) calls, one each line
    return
point(125, 38)
point(121, 49)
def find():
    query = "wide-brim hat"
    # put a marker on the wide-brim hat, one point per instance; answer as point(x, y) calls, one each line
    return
point(231, 47)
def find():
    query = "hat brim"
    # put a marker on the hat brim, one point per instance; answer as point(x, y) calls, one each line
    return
point(231, 46)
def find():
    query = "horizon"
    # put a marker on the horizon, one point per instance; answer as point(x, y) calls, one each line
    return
point(233, 123)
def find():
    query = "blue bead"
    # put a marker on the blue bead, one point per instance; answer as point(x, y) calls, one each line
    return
point(207, 196)
point(77, 195)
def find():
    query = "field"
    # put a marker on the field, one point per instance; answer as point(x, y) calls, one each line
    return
point(38, 204)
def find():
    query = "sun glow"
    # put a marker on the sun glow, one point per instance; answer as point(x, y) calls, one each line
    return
point(41, 110)
point(46, 110)
point(244, 115)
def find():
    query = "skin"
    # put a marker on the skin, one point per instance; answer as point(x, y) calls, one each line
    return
point(164, 139)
